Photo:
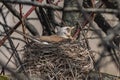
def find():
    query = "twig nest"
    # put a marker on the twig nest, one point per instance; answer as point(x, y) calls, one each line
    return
point(64, 60)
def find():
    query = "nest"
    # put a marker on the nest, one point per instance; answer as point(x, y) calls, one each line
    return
point(57, 61)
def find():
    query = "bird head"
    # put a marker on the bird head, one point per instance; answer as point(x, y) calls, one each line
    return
point(64, 32)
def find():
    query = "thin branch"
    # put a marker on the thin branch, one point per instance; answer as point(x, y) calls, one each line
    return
point(51, 6)
point(13, 48)
point(11, 71)
point(15, 13)
point(8, 61)
point(21, 33)
point(33, 3)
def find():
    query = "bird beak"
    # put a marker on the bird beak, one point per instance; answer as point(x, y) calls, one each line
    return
point(72, 27)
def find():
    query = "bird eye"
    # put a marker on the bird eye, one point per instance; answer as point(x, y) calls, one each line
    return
point(68, 30)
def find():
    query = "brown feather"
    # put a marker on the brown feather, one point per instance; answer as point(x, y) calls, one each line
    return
point(52, 38)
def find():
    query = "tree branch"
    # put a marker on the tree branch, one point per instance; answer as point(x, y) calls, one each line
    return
point(53, 7)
